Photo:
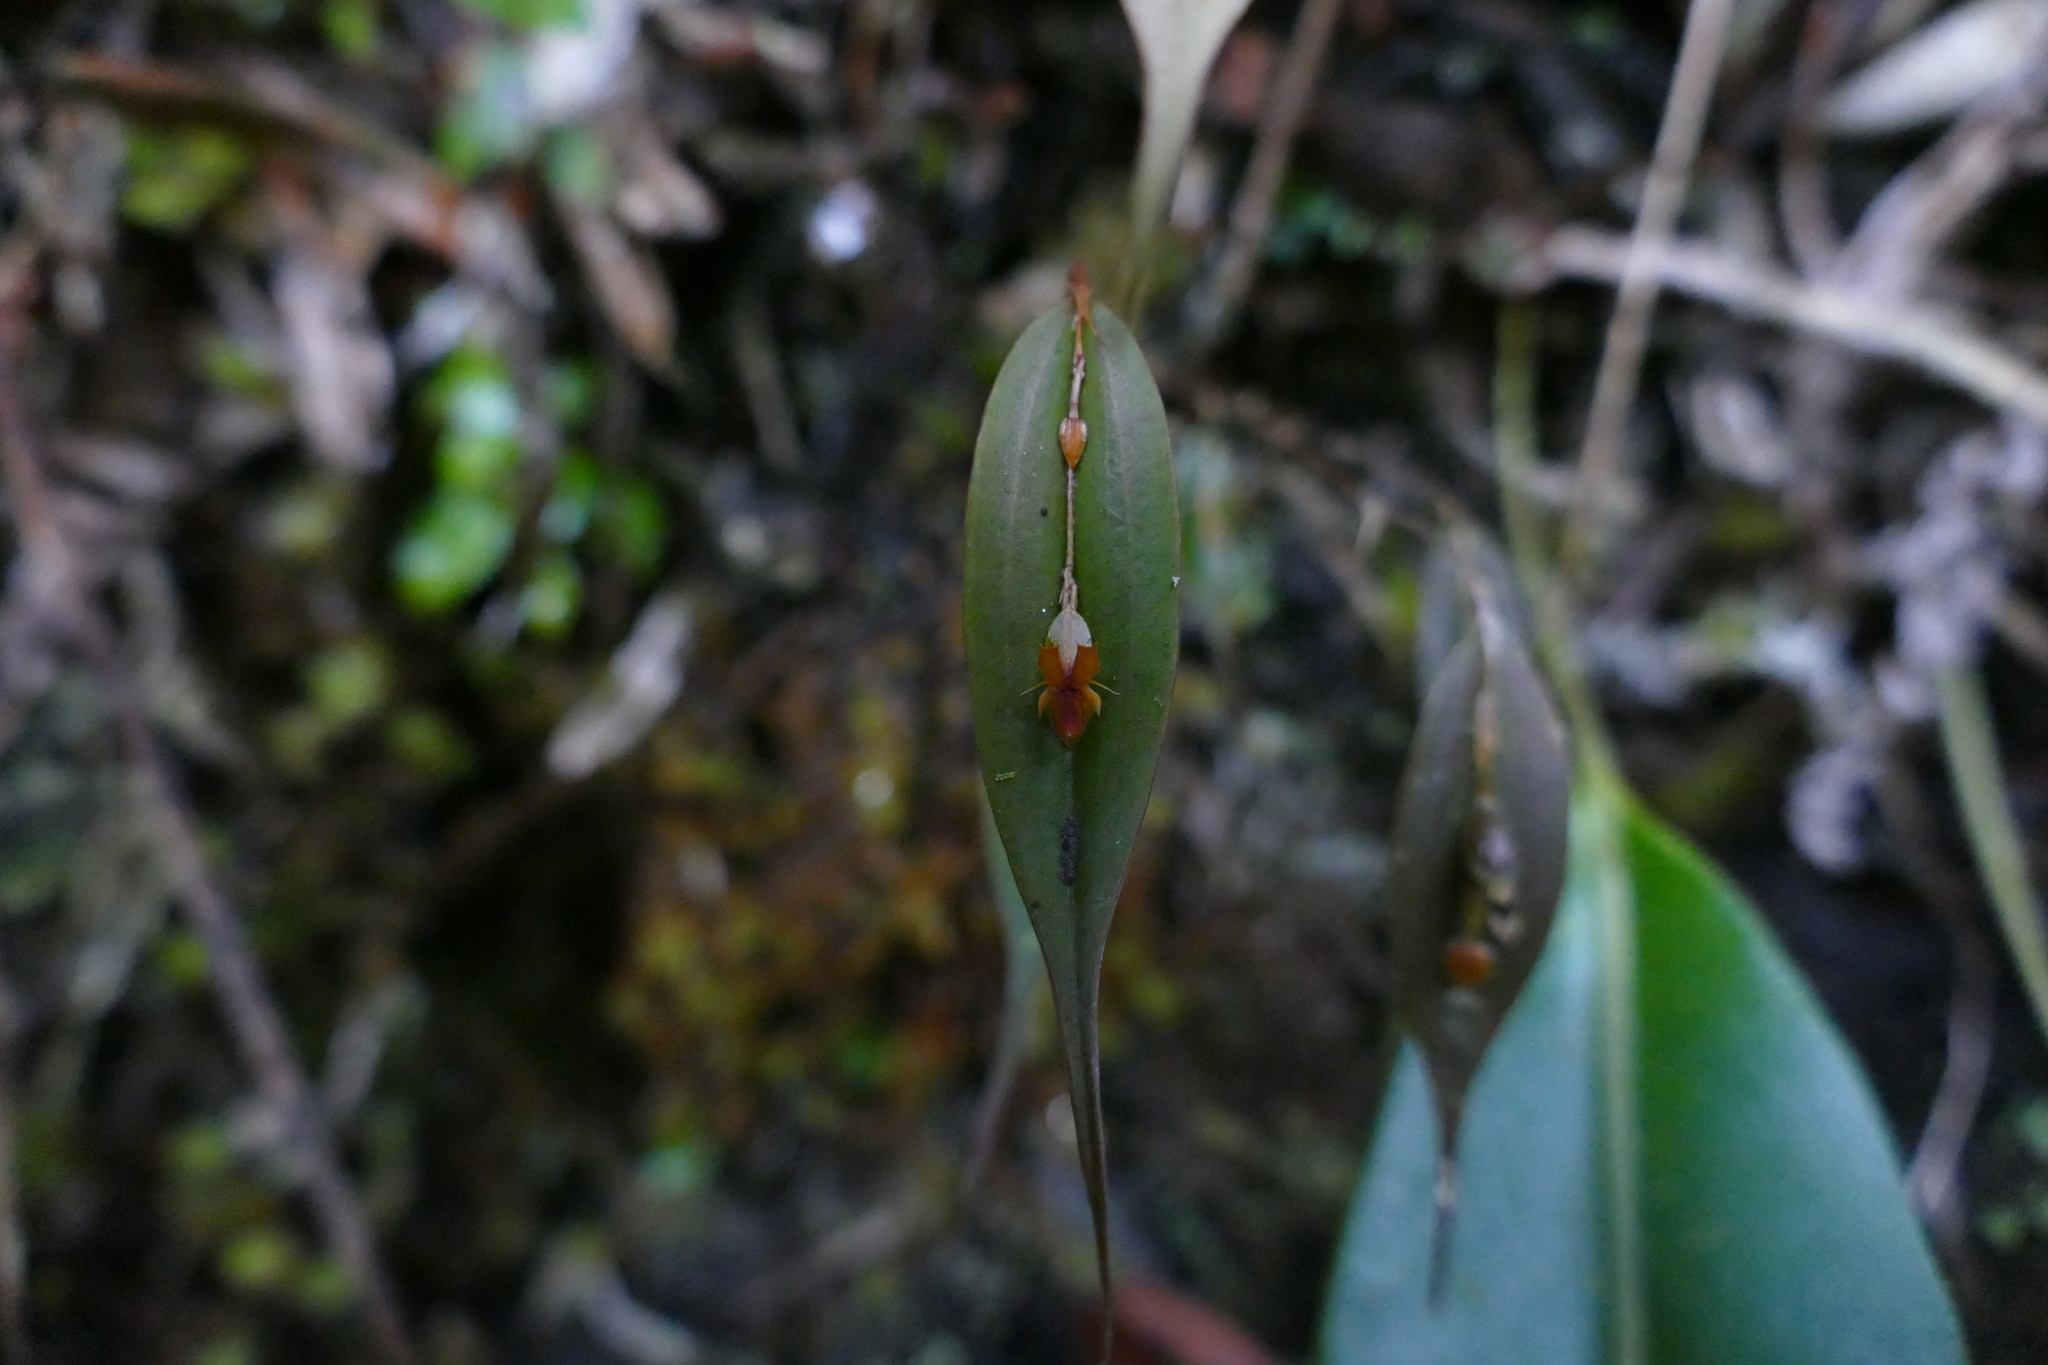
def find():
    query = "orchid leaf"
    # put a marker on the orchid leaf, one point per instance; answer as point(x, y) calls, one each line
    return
point(1764, 1200)
point(1068, 810)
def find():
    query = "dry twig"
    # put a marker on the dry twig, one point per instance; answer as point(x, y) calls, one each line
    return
point(1916, 334)
point(259, 1028)
point(51, 589)
point(1628, 328)
point(1211, 309)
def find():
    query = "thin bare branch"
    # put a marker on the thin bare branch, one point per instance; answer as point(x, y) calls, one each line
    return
point(258, 1027)
point(1905, 228)
point(1803, 191)
point(1628, 329)
point(252, 1015)
point(1916, 334)
point(1212, 309)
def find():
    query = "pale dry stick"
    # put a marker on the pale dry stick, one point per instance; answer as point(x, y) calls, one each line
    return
point(251, 1013)
point(1888, 258)
point(1803, 190)
point(754, 354)
point(1628, 327)
point(1211, 309)
point(1884, 260)
point(1918, 335)
point(1922, 208)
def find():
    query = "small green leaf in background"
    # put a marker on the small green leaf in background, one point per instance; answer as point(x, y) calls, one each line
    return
point(323, 1287)
point(632, 525)
point(577, 166)
point(175, 177)
point(429, 744)
point(488, 118)
point(1068, 816)
point(571, 389)
point(453, 547)
point(348, 682)
point(530, 14)
point(468, 463)
point(459, 540)
point(242, 369)
point(259, 1261)
point(567, 511)
point(472, 394)
point(350, 27)
point(549, 602)
point(1228, 588)
point(229, 1350)
point(1772, 1219)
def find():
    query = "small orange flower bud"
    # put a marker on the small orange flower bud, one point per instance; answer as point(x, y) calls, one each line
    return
point(1073, 439)
point(1467, 962)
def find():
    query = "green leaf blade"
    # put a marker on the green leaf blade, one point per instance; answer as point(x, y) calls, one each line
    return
point(1127, 560)
point(1525, 1273)
point(1068, 817)
point(1775, 1224)
point(1773, 1217)
point(1011, 586)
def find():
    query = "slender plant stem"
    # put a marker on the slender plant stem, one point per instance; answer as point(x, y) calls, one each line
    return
point(1601, 799)
point(1515, 442)
point(1628, 328)
point(1971, 747)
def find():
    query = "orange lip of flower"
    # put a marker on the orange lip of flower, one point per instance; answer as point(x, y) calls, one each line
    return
point(1468, 963)
point(1068, 697)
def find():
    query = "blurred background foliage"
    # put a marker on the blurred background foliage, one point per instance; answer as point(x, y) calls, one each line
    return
point(517, 451)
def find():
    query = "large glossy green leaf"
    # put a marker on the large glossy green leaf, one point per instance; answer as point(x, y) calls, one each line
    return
point(1767, 1208)
point(1068, 815)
